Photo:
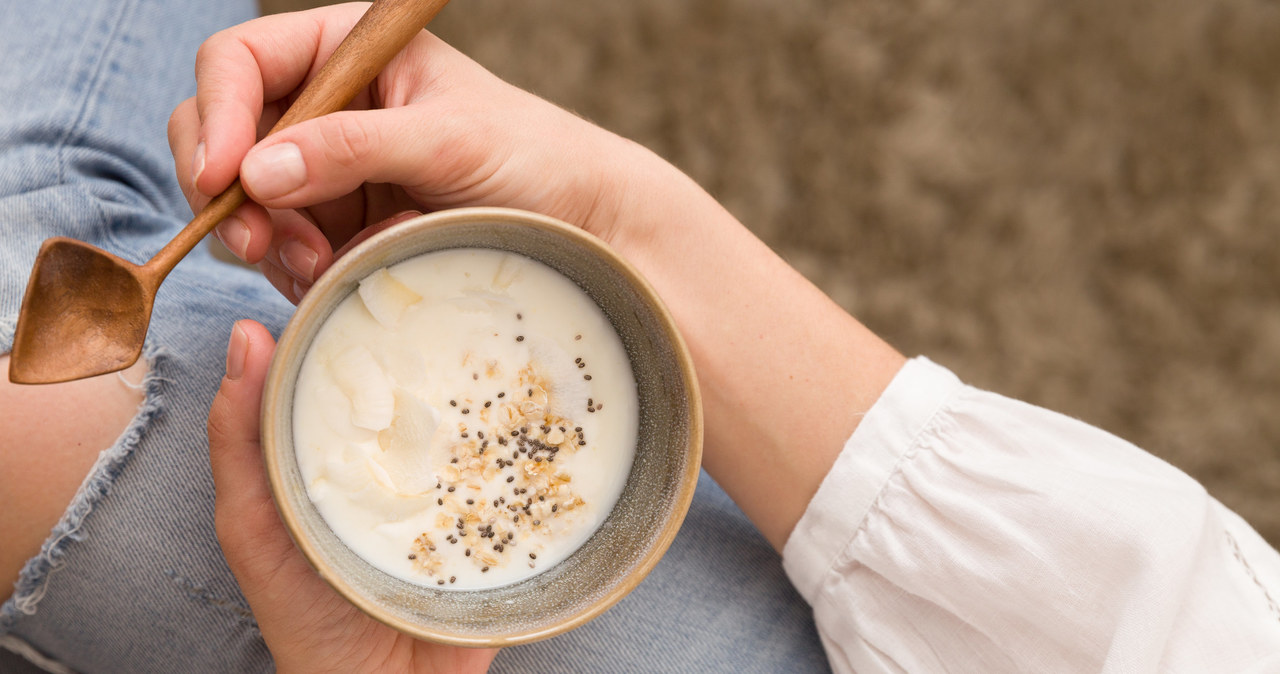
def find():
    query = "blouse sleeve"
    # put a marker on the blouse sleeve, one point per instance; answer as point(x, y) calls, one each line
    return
point(961, 531)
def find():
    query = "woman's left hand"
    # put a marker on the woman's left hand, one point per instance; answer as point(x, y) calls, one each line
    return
point(307, 625)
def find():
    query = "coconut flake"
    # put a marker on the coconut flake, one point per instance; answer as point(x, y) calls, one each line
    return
point(386, 298)
point(366, 386)
point(508, 271)
point(568, 392)
point(408, 441)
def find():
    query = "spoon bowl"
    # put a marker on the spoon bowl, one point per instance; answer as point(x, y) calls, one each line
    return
point(85, 312)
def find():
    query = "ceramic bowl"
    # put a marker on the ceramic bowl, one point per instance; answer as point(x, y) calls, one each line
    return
point(639, 528)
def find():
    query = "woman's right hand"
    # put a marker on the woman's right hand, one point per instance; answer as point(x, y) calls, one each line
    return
point(785, 374)
point(435, 130)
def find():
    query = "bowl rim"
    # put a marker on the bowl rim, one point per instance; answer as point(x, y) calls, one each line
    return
point(272, 398)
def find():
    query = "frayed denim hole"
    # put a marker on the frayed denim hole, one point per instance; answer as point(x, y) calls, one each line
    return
point(7, 328)
point(34, 578)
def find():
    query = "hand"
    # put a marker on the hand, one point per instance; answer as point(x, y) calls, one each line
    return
point(435, 130)
point(307, 625)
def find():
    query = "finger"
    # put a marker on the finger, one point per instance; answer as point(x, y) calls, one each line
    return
point(328, 157)
point(279, 265)
point(246, 521)
point(184, 126)
point(240, 68)
point(280, 280)
point(183, 132)
point(276, 580)
point(247, 232)
point(253, 232)
point(298, 247)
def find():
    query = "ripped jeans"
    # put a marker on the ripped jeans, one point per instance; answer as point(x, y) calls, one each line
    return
point(132, 579)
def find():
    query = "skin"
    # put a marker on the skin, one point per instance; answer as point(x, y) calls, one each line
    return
point(52, 436)
point(785, 373)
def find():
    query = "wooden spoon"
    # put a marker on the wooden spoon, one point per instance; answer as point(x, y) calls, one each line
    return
point(86, 311)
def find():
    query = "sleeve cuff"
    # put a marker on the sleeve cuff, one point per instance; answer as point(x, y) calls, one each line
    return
point(870, 456)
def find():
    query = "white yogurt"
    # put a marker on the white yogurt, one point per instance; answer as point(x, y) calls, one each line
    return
point(467, 420)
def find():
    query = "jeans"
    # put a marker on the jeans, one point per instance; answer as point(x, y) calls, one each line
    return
point(132, 578)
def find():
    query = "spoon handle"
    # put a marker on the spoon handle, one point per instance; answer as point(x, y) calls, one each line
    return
point(381, 33)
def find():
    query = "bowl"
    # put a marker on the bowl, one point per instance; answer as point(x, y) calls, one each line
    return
point(633, 536)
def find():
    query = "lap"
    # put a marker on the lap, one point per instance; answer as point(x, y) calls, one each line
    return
point(139, 545)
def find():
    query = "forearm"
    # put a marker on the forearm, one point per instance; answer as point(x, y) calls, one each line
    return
point(785, 373)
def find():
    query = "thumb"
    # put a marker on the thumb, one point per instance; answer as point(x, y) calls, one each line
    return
point(248, 527)
point(328, 157)
point(290, 602)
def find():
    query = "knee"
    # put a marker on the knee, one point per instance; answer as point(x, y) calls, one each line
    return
point(50, 438)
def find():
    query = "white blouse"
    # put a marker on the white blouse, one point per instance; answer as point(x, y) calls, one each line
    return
point(961, 531)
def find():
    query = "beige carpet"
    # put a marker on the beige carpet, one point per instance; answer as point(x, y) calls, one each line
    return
point(1076, 204)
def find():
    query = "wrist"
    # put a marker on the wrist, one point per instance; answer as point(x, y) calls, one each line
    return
point(642, 204)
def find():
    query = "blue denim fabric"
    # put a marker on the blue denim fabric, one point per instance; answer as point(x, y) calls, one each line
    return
point(132, 579)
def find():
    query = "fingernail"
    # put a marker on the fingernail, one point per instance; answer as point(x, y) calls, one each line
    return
point(237, 349)
point(197, 166)
point(299, 290)
point(299, 259)
point(234, 234)
point(274, 171)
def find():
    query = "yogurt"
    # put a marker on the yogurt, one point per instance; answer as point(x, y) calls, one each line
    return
point(466, 420)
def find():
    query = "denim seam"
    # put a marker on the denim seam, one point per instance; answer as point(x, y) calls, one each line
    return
point(72, 128)
point(94, 83)
point(34, 579)
point(60, 146)
point(142, 256)
point(109, 233)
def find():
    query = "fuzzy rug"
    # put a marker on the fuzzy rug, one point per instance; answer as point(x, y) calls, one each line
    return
point(1075, 204)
